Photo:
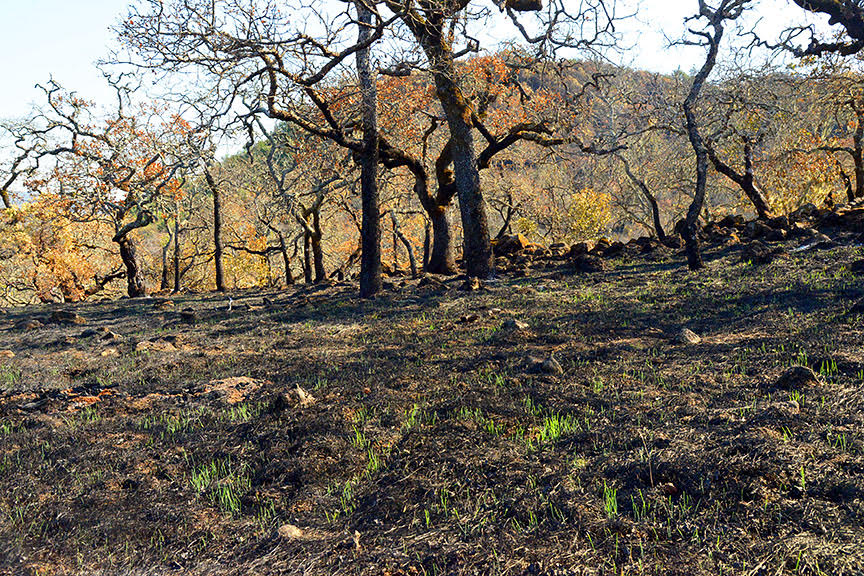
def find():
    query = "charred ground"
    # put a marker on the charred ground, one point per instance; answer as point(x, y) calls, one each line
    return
point(554, 421)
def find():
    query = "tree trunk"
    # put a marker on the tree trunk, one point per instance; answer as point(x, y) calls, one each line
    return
point(442, 259)
point(477, 246)
point(691, 228)
point(427, 245)
point(370, 233)
point(858, 157)
point(652, 202)
point(307, 258)
point(217, 229)
point(286, 261)
point(412, 260)
point(317, 250)
point(318, 259)
point(395, 239)
point(177, 272)
point(745, 181)
point(136, 285)
point(749, 185)
point(166, 270)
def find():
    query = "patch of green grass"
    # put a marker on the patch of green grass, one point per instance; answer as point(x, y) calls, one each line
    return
point(9, 376)
point(610, 501)
point(223, 482)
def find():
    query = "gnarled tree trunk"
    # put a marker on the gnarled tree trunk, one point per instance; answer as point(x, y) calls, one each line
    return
point(136, 286)
point(466, 175)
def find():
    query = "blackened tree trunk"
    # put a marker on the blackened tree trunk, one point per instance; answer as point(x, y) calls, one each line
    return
point(466, 175)
point(286, 261)
point(177, 272)
point(307, 258)
point(370, 234)
point(135, 282)
point(166, 269)
point(442, 260)
point(217, 228)
point(746, 181)
point(858, 152)
point(318, 252)
point(427, 245)
point(649, 197)
point(412, 259)
point(712, 38)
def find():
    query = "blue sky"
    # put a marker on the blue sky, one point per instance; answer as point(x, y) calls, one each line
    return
point(63, 38)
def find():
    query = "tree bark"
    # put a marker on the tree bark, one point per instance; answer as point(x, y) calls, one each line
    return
point(745, 181)
point(412, 260)
point(652, 201)
point(166, 270)
point(858, 154)
point(217, 229)
point(691, 222)
point(427, 245)
point(136, 285)
point(466, 175)
point(307, 258)
point(318, 259)
point(442, 260)
point(370, 234)
point(286, 261)
point(177, 272)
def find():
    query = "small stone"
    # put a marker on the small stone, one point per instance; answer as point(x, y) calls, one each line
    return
point(514, 325)
point(614, 249)
point(805, 212)
point(581, 249)
point(799, 230)
point(66, 317)
point(510, 245)
point(551, 366)
point(668, 489)
point(731, 239)
point(155, 346)
point(823, 241)
point(732, 221)
point(775, 235)
point(306, 399)
point(687, 336)
point(589, 264)
point(757, 253)
point(29, 325)
point(291, 532)
point(797, 377)
point(756, 229)
point(468, 318)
